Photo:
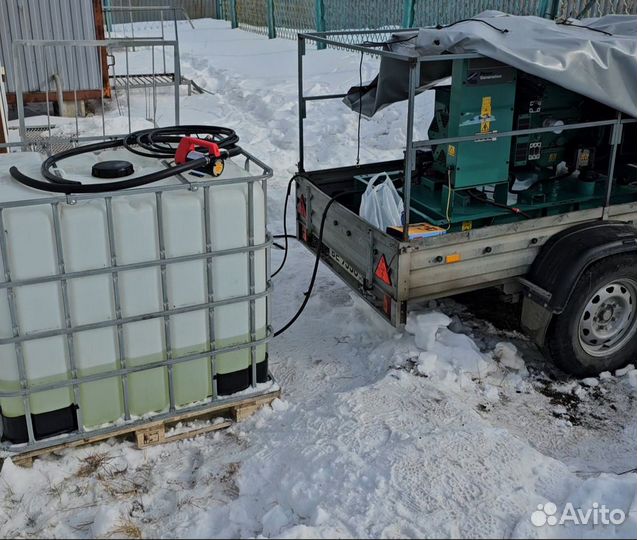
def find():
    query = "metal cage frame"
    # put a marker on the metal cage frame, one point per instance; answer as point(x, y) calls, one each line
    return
point(411, 145)
point(62, 277)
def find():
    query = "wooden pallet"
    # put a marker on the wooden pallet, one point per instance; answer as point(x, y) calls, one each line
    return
point(156, 432)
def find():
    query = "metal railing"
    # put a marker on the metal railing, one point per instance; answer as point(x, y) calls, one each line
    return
point(68, 330)
point(108, 46)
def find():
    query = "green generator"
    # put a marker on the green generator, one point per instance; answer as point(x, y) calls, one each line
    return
point(491, 180)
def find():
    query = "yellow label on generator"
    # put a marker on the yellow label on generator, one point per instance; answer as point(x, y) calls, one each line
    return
point(467, 226)
point(485, 115)
point(451, 150)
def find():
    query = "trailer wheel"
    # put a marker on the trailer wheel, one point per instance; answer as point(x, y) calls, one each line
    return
point(597, 331)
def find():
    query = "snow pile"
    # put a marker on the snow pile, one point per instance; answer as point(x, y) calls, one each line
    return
point(454, 358)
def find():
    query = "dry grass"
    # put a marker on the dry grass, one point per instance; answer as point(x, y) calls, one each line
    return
point(92, 463)
point(126, 528)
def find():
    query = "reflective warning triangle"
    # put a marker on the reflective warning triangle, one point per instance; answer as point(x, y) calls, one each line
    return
point(382, 271)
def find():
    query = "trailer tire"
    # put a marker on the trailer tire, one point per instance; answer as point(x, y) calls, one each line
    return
point(597, 330)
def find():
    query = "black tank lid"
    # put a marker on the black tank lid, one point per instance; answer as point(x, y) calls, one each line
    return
point(115, 168)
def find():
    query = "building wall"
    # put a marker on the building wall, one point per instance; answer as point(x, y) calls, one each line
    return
point(79, 68)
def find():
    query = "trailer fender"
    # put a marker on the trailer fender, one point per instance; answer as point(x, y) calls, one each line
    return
point(560, 263)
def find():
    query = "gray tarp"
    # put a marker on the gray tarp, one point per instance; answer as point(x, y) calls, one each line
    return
point(592, 63)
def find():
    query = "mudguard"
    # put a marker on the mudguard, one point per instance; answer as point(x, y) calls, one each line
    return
point(566, 255)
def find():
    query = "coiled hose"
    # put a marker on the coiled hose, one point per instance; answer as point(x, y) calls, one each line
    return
point(156, 143)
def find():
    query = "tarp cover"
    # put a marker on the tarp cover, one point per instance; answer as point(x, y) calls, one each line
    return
point(598, 61)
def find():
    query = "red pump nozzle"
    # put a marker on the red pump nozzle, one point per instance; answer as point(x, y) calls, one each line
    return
point(188, 144)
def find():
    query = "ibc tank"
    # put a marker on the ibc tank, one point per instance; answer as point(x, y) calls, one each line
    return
point(100, 284)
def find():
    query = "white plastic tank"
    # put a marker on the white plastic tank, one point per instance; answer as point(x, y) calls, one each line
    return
point(32, 253)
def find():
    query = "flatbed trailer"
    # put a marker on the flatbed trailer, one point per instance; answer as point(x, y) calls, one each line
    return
point(539, 261)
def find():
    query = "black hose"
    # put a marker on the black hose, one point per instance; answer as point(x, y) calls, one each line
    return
point(285, 234)
point(156, 143)
point(77, 187)
point(316, 263)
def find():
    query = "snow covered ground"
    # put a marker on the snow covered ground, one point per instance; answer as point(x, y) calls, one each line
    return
point(453, 428)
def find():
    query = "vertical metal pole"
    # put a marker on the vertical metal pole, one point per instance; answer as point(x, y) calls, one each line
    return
point(234, 23)
point(408, 13)
point(130, 16)
point(15, 327)
point(320, 20)
point(210, 291)
point(75, 89)
point(176, 27)
point(271, 21)
point(102, 100)
point(252, 281)
point(128, 105)
point(17, 70)
point(117, 301)
point(164, 294)
point(48, 105)
point(414, 74)
point(177, 69)
point(66, 311)
point(301, 52)
point(163, 47)
point(615, 140)
point(155, 87)
point(268, 262)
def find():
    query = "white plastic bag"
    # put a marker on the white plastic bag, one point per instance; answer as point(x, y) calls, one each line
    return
point(380, 204)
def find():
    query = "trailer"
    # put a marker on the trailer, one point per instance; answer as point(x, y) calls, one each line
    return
point(572, 263)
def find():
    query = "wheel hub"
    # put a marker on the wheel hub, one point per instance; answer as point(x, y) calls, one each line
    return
point(609, 320)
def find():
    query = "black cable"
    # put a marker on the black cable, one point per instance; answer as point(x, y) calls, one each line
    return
point(316, 263)
point(156, 143)
point(68, 187)
point(381, 43)
point(360, 110)
point(566, 23)
point(285, 234)
point(501, 30)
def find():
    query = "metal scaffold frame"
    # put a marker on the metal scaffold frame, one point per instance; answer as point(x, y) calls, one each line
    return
point(20, 45)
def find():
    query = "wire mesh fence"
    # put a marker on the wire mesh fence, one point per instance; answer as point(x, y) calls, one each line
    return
point(292, 17)
point(286, 18)
point(433, 12)
point(595, 8)
point(252, 15)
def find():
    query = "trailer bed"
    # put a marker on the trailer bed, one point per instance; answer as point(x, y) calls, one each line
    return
point(423, 268)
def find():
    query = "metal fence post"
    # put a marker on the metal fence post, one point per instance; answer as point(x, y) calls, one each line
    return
point(271, 21)
point(234, 23)
point(549, 9)
point(408, 13)
point(218, 14)
point(320, 21)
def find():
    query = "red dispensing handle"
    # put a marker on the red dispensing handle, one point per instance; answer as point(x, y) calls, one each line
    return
point(188, 144)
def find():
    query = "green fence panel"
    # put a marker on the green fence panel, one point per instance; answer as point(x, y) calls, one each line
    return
point(293, 16)
point(285, 18)
point(252, 15)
